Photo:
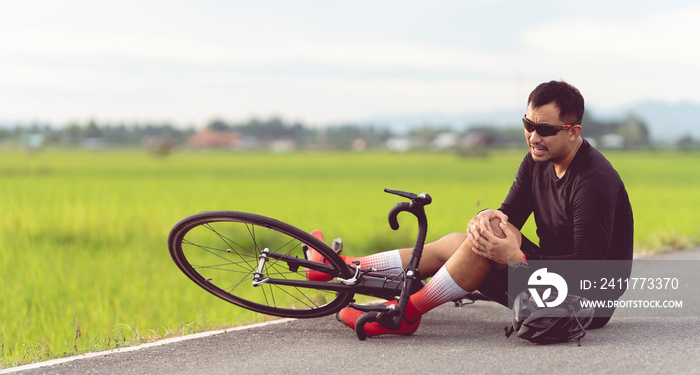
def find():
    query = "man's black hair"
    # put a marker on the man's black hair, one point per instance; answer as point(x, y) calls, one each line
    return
point(566, 97)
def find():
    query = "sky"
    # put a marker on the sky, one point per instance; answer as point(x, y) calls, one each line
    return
point(329, 62)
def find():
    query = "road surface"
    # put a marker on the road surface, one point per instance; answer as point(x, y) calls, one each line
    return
point(469, 340)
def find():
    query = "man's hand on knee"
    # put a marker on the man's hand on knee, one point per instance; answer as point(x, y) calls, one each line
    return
point(495, 240)
point(495, 226)
point(488, 216)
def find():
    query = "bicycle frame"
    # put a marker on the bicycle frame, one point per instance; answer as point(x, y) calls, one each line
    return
point(359, 284)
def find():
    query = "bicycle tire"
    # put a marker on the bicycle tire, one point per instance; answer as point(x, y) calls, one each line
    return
point(219, 251)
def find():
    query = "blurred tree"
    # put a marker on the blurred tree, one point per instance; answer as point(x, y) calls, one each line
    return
point(92, 130)
point(218, 125)
point(635, 132)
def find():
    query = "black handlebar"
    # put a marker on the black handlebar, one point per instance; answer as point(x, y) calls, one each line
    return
point(365, 318)
point(415, 206)
point(422, 198)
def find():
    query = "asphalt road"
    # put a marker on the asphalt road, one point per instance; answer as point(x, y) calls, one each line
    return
point(469, 339)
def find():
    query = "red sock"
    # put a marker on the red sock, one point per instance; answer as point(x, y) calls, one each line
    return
point(440, 289)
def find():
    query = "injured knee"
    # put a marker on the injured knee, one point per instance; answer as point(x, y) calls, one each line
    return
point(496, 228)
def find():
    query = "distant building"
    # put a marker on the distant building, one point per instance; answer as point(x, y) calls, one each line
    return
point(93, 143)
point(215, 139)
point(283, 145)
point(359, 144)
point(476, 139)
point(445, 141)
point(399, 144)
point(612, 141)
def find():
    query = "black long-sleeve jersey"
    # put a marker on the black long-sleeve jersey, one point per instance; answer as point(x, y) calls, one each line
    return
point(586, 214)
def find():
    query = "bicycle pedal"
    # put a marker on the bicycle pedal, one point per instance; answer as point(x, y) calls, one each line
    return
point(337, 245)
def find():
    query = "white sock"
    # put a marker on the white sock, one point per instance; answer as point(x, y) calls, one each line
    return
point(386, 263)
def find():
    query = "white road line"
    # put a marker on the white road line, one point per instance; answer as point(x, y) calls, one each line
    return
point(142, 346)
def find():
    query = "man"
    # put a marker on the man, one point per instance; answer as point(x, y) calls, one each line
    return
point(580, 205)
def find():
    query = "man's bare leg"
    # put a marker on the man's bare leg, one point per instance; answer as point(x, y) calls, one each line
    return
point(438, 253)
point(435, 254)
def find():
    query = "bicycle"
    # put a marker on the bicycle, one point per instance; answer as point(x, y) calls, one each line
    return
point(259, 263)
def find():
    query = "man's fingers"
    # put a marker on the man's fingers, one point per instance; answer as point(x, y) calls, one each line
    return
point(479, 252)
point(507, 232)
point(482, 226)
point(503, 217)
point(490, 235)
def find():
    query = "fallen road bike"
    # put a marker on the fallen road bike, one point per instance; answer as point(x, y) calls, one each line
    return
point(261, 264)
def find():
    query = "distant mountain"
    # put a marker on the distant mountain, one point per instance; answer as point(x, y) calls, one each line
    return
point(667, 122)
point(458, 121)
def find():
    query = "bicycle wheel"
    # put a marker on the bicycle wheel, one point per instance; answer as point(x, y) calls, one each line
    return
point(220, 250)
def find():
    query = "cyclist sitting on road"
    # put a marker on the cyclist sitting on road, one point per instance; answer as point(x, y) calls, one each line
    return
point(581, 210)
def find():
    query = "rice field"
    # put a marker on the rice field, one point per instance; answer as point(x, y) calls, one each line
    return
point(84, 263)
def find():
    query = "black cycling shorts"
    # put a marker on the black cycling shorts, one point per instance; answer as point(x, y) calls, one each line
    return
point(495, 287)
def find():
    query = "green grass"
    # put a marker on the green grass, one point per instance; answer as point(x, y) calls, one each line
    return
point(83, 256)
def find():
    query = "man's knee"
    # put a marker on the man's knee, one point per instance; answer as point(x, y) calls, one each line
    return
point(498, 231)
point(496, 228)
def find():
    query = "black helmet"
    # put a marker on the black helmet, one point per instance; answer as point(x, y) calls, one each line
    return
point(547, 325)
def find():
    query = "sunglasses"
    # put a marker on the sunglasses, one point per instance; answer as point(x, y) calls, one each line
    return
point(545, 130)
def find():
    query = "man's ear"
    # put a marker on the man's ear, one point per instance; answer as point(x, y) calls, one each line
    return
point(575, 132)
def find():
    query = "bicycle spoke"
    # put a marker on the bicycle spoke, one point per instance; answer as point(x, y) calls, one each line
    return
point(219, 267)
point(274, 262)
point(228, 242)
point(208, 249)
point(251, 233)
point(308, 304)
